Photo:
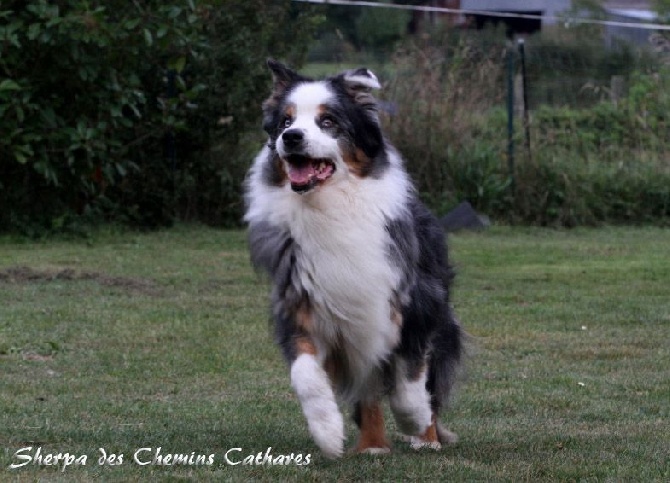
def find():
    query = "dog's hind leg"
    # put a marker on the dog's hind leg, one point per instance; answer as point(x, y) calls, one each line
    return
point(370, 419)
point(410, 402)
point(434, 437)
point(312, 385)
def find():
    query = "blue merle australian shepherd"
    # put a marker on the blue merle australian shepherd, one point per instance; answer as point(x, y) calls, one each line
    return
point(360, 297)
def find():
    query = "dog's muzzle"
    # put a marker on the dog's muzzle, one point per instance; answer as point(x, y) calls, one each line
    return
point(304, 171)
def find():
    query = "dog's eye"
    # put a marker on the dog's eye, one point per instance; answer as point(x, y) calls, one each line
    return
point(327, 122)
point(287, 122)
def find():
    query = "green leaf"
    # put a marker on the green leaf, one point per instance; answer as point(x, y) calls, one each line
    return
point(177, 64)
point(9, 85)
point(120, 169)
point(49, 116)
point(131, 24)
point(20, 157)
point(148, 38)
point(34, 31)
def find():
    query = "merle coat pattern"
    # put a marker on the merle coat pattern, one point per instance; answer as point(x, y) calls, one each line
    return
point(359, 268)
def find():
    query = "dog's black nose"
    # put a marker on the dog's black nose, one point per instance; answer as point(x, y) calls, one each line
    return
point(292, 138)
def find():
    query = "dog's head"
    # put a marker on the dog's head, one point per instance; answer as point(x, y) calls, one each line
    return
point(322, 130)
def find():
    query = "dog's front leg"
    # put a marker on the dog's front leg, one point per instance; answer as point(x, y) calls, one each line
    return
point(312, 385)
point(370, 418)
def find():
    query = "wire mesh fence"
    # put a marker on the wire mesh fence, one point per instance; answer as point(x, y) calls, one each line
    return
point(568, 126)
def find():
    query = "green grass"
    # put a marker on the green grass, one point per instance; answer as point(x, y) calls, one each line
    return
point(130, 340)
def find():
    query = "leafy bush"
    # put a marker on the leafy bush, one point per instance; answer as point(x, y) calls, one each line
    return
point(225, 129)
point(566, 191)
point(76, 103)
point(133, 111)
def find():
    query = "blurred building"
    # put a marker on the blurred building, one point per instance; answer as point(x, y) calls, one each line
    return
point(542, 13)
point(547, 9)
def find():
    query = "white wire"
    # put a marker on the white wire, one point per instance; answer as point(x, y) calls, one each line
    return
point(490, 13)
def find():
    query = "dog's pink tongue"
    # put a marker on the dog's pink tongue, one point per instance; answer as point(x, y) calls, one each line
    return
point(299, 175)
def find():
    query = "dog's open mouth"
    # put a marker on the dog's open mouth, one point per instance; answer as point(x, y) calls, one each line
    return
point(305, 173)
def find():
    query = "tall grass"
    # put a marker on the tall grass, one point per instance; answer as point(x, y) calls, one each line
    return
point(436, 105)
point(604, 164)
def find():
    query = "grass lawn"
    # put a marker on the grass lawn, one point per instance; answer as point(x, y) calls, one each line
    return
point(161, 340)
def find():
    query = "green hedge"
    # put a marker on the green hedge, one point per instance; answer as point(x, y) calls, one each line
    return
point(133, 111)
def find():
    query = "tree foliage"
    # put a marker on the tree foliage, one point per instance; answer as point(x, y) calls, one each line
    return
point(377, 29)
point(382, 28)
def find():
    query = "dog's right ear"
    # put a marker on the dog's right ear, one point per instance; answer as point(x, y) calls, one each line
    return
point(282, 76)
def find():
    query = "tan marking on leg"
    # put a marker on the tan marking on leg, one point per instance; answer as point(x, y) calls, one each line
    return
point(373, 437)
point(430, 435)
point(304, 321)
point(304, 345)
point(303, 316)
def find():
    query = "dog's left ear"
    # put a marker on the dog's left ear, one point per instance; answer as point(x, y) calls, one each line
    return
point(358, 83)
point(360, 80)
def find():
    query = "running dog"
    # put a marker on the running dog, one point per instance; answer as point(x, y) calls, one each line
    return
point(359, 266)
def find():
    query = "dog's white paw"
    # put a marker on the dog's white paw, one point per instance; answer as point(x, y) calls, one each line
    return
point(376, 451)
point(324, 419)
point(418, 443)
point(326, 426)
point(444, 435)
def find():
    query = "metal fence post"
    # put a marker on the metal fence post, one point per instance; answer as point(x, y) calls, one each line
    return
point(524, 80)
point(510, 116)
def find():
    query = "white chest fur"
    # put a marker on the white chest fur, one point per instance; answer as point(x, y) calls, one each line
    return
point(343, 260)
point(343, 265)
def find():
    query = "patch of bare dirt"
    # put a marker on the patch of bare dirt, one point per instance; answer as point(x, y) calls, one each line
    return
point(23, 275)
